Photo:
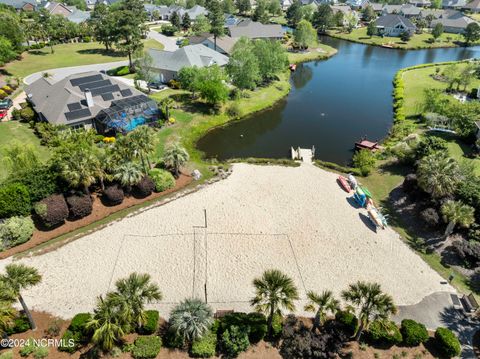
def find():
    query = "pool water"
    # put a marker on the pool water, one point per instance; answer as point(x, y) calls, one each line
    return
point(134, 123)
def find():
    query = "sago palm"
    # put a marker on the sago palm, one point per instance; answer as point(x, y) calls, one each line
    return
point(321, 304)
point(79, 167)
point(175, 156)
point(274, 292)
point(107, 324)
point(191, 319)
point(370, 302)
point(19, 277)
point(456, 212)
point(128, 174)
point(7, 313)
point(438, 175)
point(131, 296)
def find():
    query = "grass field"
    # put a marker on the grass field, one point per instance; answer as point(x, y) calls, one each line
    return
point(418, 41)
point(319, 53)
point(66, 55)
point(14, 131)
point(417, 80)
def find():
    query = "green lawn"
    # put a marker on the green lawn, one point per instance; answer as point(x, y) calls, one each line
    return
point(65, 55)
point(417, 41)
point(460, 151)
point(319, 53)
point(475, 16)
point(153, 44)
point(14, 131)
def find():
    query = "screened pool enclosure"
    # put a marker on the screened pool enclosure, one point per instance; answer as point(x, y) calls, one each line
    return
point(126, 114)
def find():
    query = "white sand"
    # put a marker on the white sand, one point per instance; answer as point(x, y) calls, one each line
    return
point(295, 219)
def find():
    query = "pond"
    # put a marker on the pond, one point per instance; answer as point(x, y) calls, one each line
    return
point(332, 104)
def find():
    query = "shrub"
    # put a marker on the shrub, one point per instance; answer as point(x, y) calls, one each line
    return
point(204, 347)
point(3, 94)
point(430, 216)
point(413, 333)
point(7, 355)
point(163, 179)
point(169, 30)
point(174, 84)
point(254, 323)
point(258, 327)
point(151, 324)
point(347, 321)
point(28, 348)
point(40, 181)
point(429, 145)
point(145, 187)
point(277, 325)
point(173, 340)
point(235, 340)
point(410, 182)
point(76, 334)
point(468, 251)
point(41, 352)
point(27, 114)
point(233, 111)
point(447, 342)
point(113, 195)
point(53, 210)
point(14, 200)
point(384, 332)
point(79, 323)
point(15, 231)
point(70, 343)
point(119, 71)
point(337, 167)
point(79, 206)
point(7, 89)
point(364, 160)
point(147, 347)
point(20, 325)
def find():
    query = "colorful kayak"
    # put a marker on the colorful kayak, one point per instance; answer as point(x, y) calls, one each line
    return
point(366, 191)
point(344, 184)
point(352, 180)
point(376, 217)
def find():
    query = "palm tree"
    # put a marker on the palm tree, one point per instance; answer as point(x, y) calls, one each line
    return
point(19, 277)
point(143, 140)
point(438, 174)
point(108, 324)
point(166, 104)
point(175, 156)
point(370, 302)
point(132, 294)
point(191, 319)
point(128, 174)
point(7, 313)
point(456, 212)
point(274, 291)
point(321, 305)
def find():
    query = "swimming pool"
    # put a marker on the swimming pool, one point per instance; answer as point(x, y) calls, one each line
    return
point(134, 123)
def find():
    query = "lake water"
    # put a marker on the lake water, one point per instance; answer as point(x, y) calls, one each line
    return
point(332, 104)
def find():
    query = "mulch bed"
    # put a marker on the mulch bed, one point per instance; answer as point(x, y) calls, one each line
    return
point(99, 212)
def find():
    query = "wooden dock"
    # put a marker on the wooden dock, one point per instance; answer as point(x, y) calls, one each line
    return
point(303, 154)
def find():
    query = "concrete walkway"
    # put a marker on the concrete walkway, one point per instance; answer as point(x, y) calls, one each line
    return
point(436, 310)
point(60, 73)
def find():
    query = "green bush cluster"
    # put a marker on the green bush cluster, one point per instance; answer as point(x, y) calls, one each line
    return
point(14, 200)
point(254, 323)
point(447, 342)
point(151, 324)
point(163, 179)
point(15, 231)
point(27, 114)
point(348, 322)
point(204, 347)
point(147, 347)
point(20, 325)
point(76, 331)
point(364, 160)
point(235, 340)
point(413, 333)
point(384, 332)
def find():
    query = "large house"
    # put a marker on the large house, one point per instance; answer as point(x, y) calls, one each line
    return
point(256, 30)
point(166, 64)
point(394, 25)
point(454, 4)
point(162, 12)
point(91, 99)
point(473, 6)
point(21, 5)
point(454, 25)
point(70, 12)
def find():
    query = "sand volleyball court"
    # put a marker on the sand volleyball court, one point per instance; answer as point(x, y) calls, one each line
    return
point(297, 220)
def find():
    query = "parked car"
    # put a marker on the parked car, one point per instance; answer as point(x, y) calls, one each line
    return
point(5, 104)
point(157, 85)
point(3, 114)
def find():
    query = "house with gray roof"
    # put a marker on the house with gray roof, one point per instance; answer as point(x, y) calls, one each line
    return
point(21, 5)
point(162, 12)
point(420, 3)
point(256, 30)
point(473, 6)
point(453, 25)
point(377, 7)
point(410, 11)
point(69, 12)
point(394, 25)
point(224, 44)
point(90, 99)
point(454, 4)
point(166, 64)
point(391, 9)
point(357, 4)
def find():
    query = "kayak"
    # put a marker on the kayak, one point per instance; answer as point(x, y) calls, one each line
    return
point(366, 191)
point(352, 181)
point(344, 184)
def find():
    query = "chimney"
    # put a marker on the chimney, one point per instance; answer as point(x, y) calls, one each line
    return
point(88, 98)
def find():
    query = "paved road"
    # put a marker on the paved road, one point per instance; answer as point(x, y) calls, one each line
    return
point(436, 310)
point(60, 73)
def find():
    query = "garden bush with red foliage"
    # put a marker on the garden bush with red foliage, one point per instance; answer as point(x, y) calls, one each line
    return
point(80, 206)
point(113, 195)
point(144, 188)
point(53, 210)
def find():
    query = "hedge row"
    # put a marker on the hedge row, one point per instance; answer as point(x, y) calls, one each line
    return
point(338, 168)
